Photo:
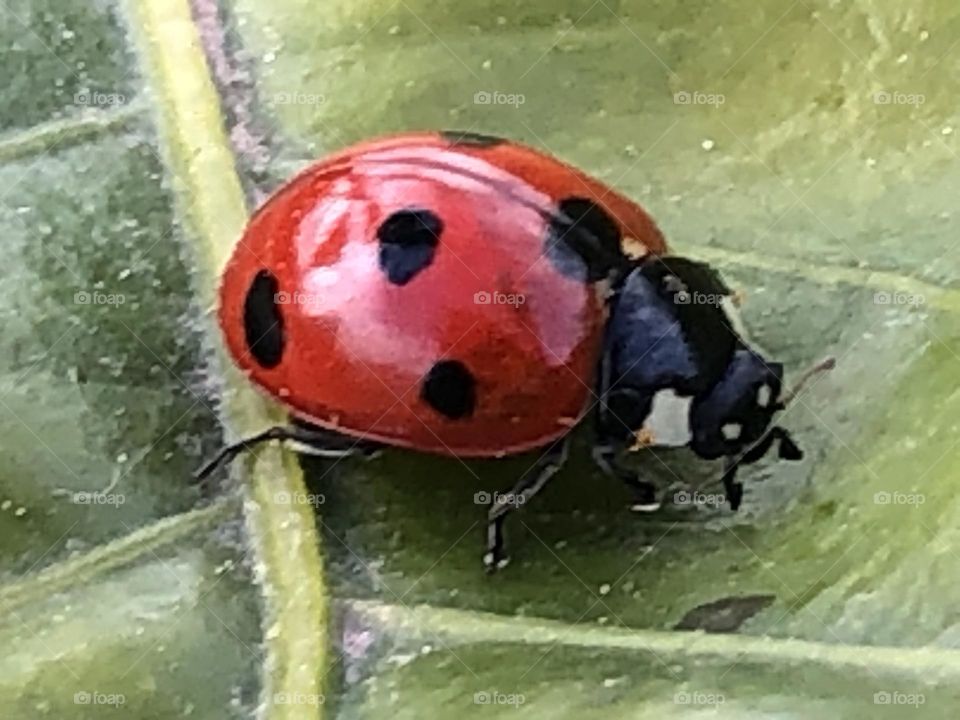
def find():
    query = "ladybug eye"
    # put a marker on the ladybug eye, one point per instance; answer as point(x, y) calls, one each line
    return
point(408, 241)
point(583, 241)
point(262, 321)
point(450, 389)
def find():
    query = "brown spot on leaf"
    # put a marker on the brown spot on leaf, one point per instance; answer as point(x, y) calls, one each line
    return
point(725, 615)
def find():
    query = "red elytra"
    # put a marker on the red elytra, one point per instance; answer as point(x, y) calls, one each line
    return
point(405, 351)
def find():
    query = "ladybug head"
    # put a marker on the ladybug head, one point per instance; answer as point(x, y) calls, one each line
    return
point(737, 411)
point(734, 418)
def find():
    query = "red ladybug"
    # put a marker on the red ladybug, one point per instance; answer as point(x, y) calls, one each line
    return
point(464, 295)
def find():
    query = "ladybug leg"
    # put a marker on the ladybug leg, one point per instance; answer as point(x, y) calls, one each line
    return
point(607, 457)
point(612, 430)
point(532, 482)
point(308, 438)
point(788, 450)
point(311, 439)
point(732, 487)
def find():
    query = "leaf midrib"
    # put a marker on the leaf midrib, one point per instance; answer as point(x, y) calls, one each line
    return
point(464, 627)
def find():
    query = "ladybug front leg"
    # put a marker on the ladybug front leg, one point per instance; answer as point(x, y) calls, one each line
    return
point(502, 504)
point(732, 488)
point(788, 450)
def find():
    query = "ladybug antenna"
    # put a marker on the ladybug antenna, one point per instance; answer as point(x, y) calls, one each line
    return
point(824, 365)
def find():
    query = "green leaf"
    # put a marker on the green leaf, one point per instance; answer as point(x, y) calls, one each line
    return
point(120, 599)
point(762, 142)
point(807, 149)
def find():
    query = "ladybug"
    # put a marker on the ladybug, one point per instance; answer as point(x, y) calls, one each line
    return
point(464, 295)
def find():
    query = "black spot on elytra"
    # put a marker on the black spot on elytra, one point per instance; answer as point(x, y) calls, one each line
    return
point(408, 241)
point(470, 139)
point(450, 389)
point(262, 321)
point(583, 241)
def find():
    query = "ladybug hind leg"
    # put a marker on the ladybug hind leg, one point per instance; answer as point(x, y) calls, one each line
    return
point(310, 439)
point(502, 504)
point(302, 436)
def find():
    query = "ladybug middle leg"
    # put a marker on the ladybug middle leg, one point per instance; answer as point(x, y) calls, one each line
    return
point(607, 453)
point(529, 485)
point(619, 412)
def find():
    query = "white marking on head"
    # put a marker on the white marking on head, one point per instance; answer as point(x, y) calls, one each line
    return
point(731, 431)
point(763, 395)
point(669, 419)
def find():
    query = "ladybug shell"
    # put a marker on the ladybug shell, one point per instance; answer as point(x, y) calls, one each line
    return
point(400, 291)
